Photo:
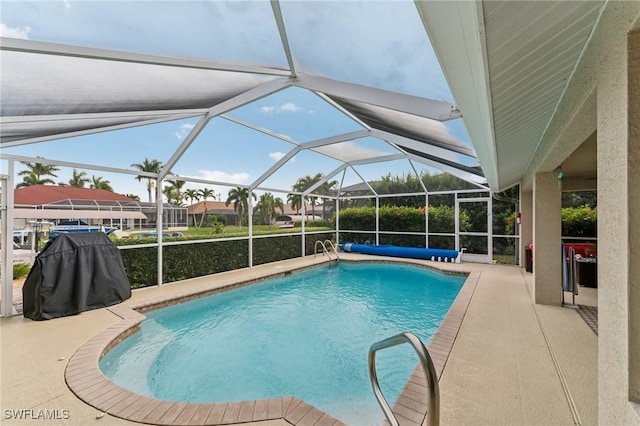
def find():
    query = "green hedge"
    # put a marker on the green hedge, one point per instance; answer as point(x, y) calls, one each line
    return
point(402, 240)
point(579, 222)
point(356, 237)
point(140, 265)
point(314, 224)
point(405, 219)
point(310, 241)
point(576, 222)
point(186, 261)
point(272, 249)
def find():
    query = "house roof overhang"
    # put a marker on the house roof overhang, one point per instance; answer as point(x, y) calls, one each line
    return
point(518, 59)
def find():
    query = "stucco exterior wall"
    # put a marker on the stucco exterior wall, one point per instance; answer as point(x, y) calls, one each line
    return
point(617, 222)
point(604, 93)
point(547, 231)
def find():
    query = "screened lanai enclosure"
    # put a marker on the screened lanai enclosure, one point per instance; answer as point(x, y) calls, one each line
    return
point(255, 96)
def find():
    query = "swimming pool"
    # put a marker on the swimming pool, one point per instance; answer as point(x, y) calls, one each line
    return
point(306, 334)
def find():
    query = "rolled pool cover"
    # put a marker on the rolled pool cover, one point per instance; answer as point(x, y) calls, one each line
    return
point(442, 255)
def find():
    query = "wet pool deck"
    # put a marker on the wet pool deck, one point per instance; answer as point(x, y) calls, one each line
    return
point(511, 362)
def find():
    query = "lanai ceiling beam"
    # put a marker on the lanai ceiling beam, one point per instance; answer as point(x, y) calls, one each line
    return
point(226, 106)
point(308, 145)
point(77, 165)
point(324, 179)
point(281, 162)
point(398, 140)
point(277, 13)
point(422, 107)
point(379, 159)
point(173, 115)
point(413, 167)
point(331, 140)
point(41, 47)
point(260, 129)
point(373, 191)
point(342, 110)
point(469, 177)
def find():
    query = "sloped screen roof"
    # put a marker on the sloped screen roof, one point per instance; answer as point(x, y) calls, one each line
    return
point(87, 90)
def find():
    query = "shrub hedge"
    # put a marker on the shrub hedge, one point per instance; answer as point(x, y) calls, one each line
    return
point(576, 222)
point(184, 261)
point(579, 222)
point(272, 249)
point(404, 219)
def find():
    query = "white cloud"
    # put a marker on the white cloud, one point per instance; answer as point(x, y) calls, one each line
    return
point(17, 32)
point(67, 4)
point(184, 131)
point(276, 156)
point(218, 176)
point(290, 107)
point(286, 107)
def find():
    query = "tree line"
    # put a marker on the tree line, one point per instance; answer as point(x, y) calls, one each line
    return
point(268, 206)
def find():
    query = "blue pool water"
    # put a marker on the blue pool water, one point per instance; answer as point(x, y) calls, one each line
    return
point(306, 334)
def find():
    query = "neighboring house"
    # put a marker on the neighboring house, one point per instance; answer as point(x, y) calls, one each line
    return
point(50, 203)
point(216, 208)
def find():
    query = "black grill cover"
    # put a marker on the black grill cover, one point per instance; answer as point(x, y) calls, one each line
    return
point(75, 272)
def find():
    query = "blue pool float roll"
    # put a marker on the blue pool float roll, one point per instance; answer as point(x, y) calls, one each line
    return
point(397, 251)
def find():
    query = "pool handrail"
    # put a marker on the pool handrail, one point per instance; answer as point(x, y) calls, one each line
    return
point(433, 407)
point(335, 250)
point(324, 250)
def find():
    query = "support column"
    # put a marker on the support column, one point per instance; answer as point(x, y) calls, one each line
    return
point(6, 222)
point(159, 229)
point(526, 223)
point(633, 193)
point(547, 233)
point(250, 227)
point(618, 95)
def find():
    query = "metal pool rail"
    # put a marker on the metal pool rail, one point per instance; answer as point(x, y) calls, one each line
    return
point(433, 410)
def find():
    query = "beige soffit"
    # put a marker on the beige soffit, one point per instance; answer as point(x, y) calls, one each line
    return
point(507, 64)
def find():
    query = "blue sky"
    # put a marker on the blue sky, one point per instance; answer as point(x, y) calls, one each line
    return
point(380, 44)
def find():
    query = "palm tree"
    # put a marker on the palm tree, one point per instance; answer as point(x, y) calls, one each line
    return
point(192, 195)
point(174, 192)
point(204, 194)
point(32, 179)
point(34, 173)
point(267, 206)
point(174, 197)
point(295, 201)
point(240, 199)
point(306, 182)
point(97, 182)
point(326, 189)
point(152, 166)
point(79, 179)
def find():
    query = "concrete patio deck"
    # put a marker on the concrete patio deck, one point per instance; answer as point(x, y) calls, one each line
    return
point(512, 362)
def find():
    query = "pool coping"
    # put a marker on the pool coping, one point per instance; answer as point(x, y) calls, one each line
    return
point(85, 379)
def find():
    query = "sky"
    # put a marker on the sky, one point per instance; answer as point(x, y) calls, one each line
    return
point(375, 43)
